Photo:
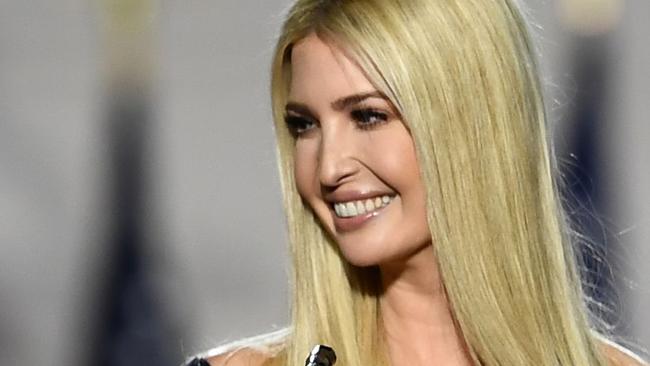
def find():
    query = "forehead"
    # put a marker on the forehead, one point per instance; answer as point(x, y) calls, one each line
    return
point(321, 71)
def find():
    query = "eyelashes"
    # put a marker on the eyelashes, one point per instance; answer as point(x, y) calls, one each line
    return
point(298, 125)
point(365, 119)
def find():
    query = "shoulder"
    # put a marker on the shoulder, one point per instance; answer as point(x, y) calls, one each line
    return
point(265, 349)
point(620, 356)
point(241, 357)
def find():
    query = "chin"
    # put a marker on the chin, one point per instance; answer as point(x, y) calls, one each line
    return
point(361, 260)
point(378, 254)
point(365, 254)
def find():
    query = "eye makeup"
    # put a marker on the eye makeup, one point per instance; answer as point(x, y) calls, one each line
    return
point(298, 125)
point(299, 119)
point(367, 118)
point(365, 114)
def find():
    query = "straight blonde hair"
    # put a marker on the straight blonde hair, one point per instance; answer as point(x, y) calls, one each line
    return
point(463, 77)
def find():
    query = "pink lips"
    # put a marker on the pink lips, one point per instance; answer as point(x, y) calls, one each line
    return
point(345, 224)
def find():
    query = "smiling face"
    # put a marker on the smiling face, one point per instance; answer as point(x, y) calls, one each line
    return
point(355, 162)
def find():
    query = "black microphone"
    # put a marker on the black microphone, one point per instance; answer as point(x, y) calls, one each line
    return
point(321, 355)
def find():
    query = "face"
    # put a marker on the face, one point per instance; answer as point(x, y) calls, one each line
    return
point(355, 162)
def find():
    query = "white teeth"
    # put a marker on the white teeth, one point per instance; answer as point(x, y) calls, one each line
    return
point(361, 208)
point(343, 210)
point(369, 205)
point(354, 208)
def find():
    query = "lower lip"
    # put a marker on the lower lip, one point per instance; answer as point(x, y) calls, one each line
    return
point(344, 224)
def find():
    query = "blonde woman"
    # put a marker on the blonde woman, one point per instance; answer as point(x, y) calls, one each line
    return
point(425, 225)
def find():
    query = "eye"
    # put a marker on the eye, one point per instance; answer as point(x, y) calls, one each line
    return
point(368, 117)
point(298, 125)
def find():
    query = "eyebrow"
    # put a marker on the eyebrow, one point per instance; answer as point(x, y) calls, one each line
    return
point(338, 104)
point(353, 99)
point(298, 108)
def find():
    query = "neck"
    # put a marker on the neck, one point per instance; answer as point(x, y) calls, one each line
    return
point(417, 319)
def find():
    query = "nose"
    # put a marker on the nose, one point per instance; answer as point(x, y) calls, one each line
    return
point(337, 161)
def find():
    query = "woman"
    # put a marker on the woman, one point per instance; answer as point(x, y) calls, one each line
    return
point(425, 225)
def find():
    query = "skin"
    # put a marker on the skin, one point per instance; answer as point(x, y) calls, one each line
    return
point(335, 152)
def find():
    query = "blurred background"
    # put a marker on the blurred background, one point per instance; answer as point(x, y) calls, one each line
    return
point(140, 213)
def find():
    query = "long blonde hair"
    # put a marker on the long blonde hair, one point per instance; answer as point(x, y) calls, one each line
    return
point(463, 77)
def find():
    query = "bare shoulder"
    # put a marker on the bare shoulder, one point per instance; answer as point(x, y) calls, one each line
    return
point(262, 350)
point(619, 356)
point(241, 357)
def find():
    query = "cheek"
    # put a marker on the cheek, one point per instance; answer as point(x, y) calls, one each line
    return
point(395, 160)
point(305, 168)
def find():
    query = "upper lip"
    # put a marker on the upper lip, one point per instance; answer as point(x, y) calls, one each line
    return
point(353, 195)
